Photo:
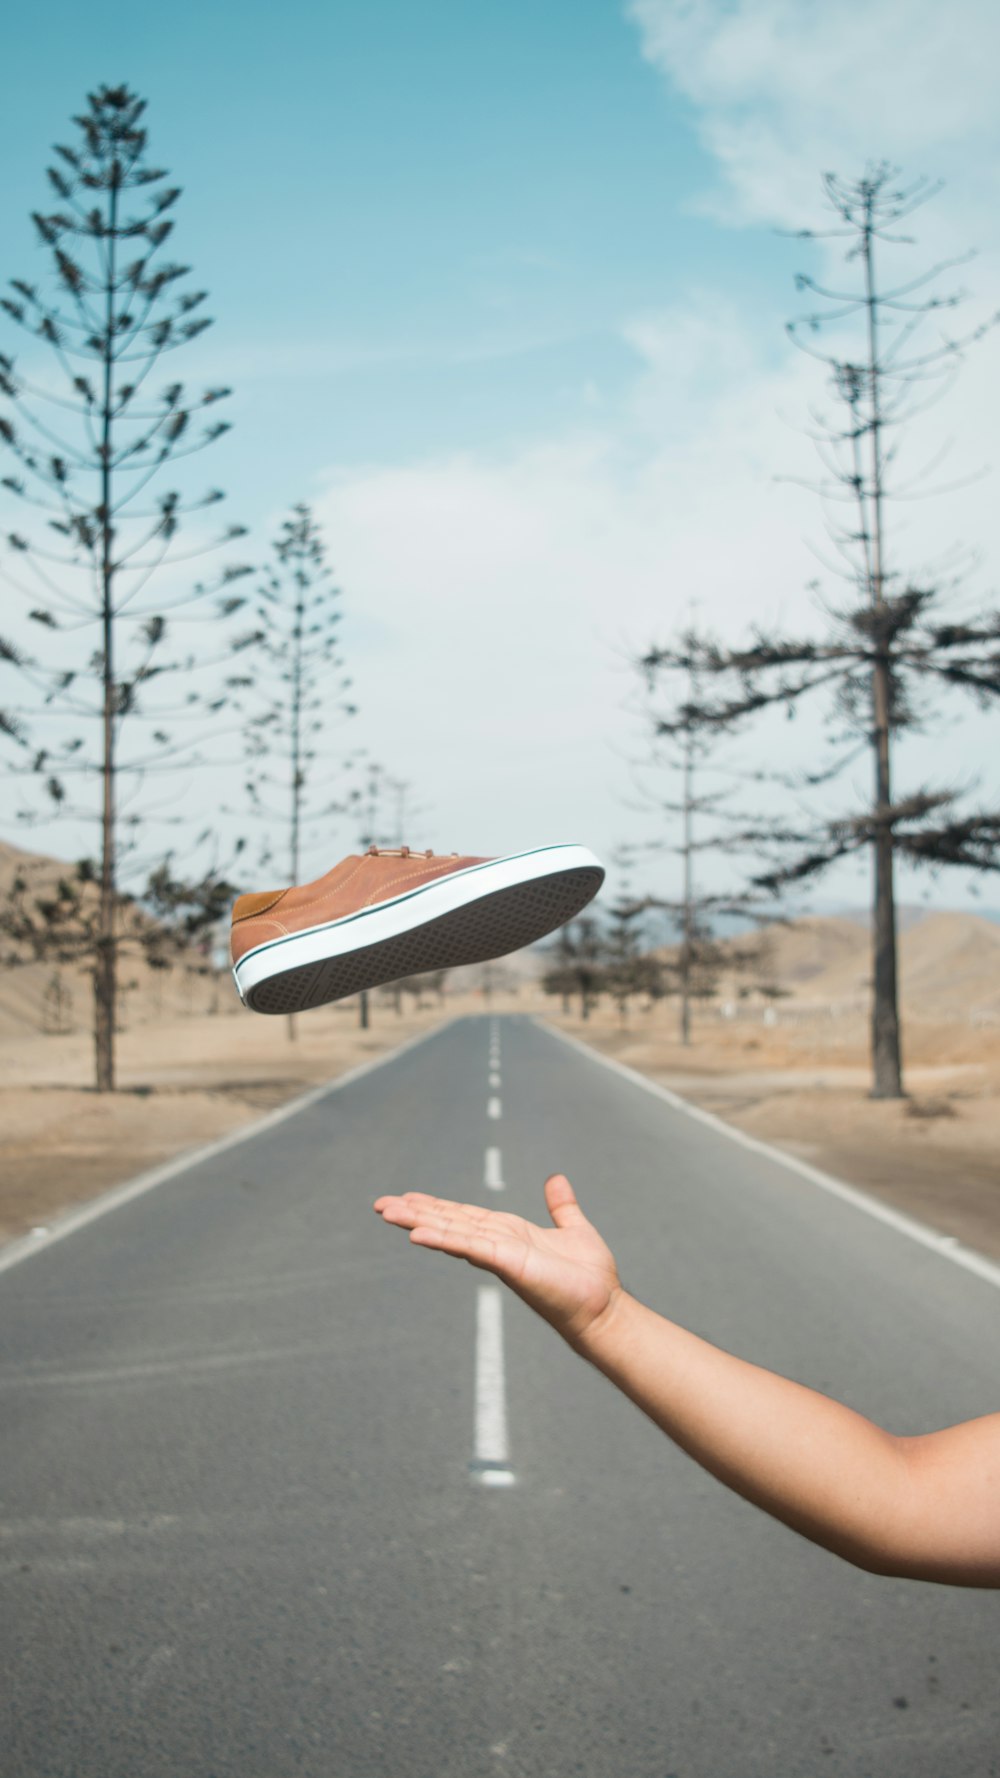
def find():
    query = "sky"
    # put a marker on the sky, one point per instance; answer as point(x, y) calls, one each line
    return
point(501, 292)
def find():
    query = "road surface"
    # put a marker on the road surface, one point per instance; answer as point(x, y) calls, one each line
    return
point(281, 1495)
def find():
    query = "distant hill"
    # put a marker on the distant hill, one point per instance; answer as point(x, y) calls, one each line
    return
point(45, 997)
point(818, 948)
point(949, 963)
point(907, 914)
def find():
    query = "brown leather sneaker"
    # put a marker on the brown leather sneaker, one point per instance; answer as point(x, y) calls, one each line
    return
point(386, 914)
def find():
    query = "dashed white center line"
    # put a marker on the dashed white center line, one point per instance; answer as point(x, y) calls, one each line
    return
point(492, 1460)
point(493, 1108)
point(493, 1170)
point(495, 1079)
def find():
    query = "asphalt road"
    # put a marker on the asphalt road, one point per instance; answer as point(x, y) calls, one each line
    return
point(281, 1495)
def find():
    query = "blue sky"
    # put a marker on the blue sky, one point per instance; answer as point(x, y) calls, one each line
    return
point(420, 224)
point(501, 290)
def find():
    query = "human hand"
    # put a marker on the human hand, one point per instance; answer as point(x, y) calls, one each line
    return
point(567, 1274)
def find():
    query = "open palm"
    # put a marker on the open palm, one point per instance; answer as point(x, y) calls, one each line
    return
point(566, 1273)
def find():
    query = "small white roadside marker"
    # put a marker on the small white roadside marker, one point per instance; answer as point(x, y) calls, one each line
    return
point(493, 1108)
point(492, 1460)
point(493, 1170)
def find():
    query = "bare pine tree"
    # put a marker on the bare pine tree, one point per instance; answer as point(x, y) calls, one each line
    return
point(303, 698)
point(579, 958)
point(369, 799)
point(630, 967)
point(87, 444)
point(888, 653)
point(704, 825)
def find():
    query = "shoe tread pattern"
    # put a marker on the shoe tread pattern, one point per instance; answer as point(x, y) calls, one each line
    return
point(493, 926)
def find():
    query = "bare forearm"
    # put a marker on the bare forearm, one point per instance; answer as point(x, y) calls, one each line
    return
point(816, 1465)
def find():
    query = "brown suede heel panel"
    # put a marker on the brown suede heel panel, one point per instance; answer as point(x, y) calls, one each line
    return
point(246, 938)
point(249, 905)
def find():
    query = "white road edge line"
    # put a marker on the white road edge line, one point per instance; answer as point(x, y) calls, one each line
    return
point(946, 1246)
point(16, 1251)
point(494, 1108)
point(493, 1170)
point(491, 1464)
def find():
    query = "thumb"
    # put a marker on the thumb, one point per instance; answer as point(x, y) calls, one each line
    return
point(561, 1200)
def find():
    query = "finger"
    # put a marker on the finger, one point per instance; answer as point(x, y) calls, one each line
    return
point(393, 1209)
point(561, 1200)
point(471, 1220)
point(402, 1214)
point(422, 1202)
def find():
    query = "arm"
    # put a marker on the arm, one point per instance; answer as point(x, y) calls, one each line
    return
point(925, 1508)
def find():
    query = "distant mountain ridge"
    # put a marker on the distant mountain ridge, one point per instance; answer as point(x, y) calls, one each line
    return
point(949, 963)
point(907, 914)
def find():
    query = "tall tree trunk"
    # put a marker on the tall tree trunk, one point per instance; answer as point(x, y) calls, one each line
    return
point(296, 738)
point(687, 936)
point(106, 957)
point(887, 1081)
point(887, 1071)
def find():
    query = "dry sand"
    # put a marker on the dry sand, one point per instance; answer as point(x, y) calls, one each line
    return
point(183, 1083)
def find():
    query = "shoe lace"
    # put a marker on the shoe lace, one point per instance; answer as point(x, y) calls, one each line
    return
point(401, 852)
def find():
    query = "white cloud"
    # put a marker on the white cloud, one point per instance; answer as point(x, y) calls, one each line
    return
point(786, 89)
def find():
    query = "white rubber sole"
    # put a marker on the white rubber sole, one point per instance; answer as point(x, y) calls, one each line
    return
point(483, 912)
